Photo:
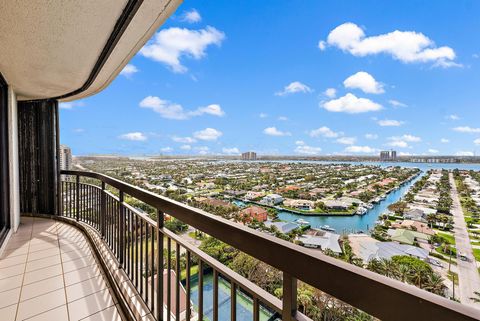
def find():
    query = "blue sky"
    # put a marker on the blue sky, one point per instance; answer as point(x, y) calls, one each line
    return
point(293, 78)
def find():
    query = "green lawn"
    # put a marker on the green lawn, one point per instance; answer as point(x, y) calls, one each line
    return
point(449, 237)
point(476, 253)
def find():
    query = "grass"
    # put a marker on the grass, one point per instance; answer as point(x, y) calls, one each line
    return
point(451, 275)
point(440, 250)
point(476, 254)
point(449, 237)
point(193, 271)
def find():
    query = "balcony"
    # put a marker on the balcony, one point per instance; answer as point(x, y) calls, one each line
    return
point(128, 244)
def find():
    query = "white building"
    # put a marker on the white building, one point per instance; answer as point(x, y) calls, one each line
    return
point(272, 199)
point(65, 155)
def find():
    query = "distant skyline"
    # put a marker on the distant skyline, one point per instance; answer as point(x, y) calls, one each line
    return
point(293, 78)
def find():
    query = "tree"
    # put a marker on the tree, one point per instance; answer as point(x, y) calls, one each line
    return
point(398, 207)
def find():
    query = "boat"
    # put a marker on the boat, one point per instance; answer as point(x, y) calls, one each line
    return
point(361, 211)
point(301, 221)
point(327, 228)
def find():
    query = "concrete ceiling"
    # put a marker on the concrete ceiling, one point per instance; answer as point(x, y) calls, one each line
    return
point(49, 48)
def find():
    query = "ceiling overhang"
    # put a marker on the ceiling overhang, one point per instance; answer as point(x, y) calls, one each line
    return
point(73, 49)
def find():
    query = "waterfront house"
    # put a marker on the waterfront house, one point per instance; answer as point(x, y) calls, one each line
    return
point(305, 205)
point(283, 227)
point(272, 199)
point(254, 213)
point(321, 240)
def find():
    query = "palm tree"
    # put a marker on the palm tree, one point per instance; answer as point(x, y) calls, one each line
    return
point(435, 284)
point(476, 298)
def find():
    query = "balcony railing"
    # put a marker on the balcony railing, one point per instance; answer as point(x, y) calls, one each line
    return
point(138, 242)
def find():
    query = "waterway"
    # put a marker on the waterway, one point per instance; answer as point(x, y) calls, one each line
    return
point(356, 223)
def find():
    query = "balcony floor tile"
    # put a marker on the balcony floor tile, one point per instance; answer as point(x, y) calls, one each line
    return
point(48, 272)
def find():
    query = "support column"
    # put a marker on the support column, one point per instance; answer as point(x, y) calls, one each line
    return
point(13, 160)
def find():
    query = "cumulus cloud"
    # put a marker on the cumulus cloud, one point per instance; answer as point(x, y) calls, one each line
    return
point(407, 138)
point(464, 153)
point(396, 103)
point(467, 129)
point(171, 44)
point(360, 149)
point(134, 136)
point(185, 140)
point(325, 132)
point(444, 140)
point(364, 81)
point(346, 140)
point(303, 148)
point(171, 110)
point(202, 150)
point(282, 118)
point(129, 70)
point(433, 151)
point(330, 92)
point(231, 151)
point(192, 16)
point(207, 134)
point(452, 117)
point(166, 149)
point(351, 104)
point(398, 143)
point(293, 88)
point(262, 115)
point(390, 123)
point(273, 131)
point(186, 147)
point(71, 104)
point(477, 141)
point(371, 136)
point(405, 46)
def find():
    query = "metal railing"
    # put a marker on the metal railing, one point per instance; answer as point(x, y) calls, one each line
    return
point(139, 242)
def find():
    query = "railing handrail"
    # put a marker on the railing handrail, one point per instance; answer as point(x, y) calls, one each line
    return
point(380, 296)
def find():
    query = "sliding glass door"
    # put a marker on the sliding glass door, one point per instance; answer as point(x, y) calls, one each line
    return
point(4, 175)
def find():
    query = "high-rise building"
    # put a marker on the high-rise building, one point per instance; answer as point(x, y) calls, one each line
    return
point(65, 157)
point(249, 156)
point(386, 155)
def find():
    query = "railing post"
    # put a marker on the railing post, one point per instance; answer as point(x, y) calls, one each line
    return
point(121, 222)
point(103, 210)
point(289, 306)
point(160, 221)
point(77, 199)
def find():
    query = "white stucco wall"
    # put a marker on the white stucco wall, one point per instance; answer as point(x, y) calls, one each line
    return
point(13, 160)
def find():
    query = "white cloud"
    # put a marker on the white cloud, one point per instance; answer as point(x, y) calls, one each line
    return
point(202, 150)
point(231, 151)
point(371, 136)
point(390, 123)
point(464, 153)
point(303, 148)
point(128, 70)
point(71, 104)
point(79, 130)
point(398, 143)
point(191, 16)
point(351, 104)
point(396, 103)
point(166, 149)
point(273, 131)
point(364, 81)
point(282, 118)
point(186, 147)
point(322, 45)
point(452, 117)
point(262, 115)
point(135, 136)
point(346, 140)
point(171, 44)
point(330, 92)
point(360, 149)
point(433, 151)
point(444, 140)
point(466, 129)
point(207, 134)
point(404, 154)
point(325, 132)
point(405, 46)
point(294, 87)
point(170, 110)
point(407, 138)
point(477, 141)
point(185, 140)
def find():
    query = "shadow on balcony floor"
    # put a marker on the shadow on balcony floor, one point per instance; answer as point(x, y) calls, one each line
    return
point(48, 272)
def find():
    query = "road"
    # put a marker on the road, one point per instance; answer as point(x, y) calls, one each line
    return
point(468, 277)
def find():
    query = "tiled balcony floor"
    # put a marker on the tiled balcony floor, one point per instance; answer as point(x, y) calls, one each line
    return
point(48, 272)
